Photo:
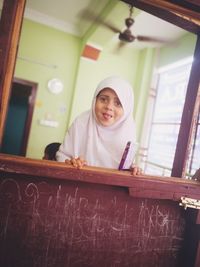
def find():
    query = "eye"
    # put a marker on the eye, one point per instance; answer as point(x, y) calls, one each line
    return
point(117, 103)
point(102, 99)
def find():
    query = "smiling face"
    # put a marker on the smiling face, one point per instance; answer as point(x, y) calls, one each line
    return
point(108, 108)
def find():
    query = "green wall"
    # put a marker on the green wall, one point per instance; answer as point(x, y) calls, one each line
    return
point(40, 48)
point(179, 50)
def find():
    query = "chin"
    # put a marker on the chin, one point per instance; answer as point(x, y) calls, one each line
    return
point(107, 124)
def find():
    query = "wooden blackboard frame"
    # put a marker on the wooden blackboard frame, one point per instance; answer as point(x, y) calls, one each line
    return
point(155, 187)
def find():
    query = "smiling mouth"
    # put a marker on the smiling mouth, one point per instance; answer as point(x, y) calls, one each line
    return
point(107, 116)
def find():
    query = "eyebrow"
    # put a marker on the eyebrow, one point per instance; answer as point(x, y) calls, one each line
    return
point(115, 97)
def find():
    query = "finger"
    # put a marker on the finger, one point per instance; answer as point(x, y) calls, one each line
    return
point(68, 161)
point(74, 162)
point(134, 171)
point(84, 162)
point(139, 171)
point(79, 163)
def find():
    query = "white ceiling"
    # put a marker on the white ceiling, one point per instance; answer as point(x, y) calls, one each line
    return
point(65, 15)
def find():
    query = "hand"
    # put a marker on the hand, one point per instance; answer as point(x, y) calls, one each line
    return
point(135, 170)
point(76, 162)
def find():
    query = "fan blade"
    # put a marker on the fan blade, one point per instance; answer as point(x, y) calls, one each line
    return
point(88, 15)
point(142, 38)
point(110, 26)
point(119, 47)
point(121, 44)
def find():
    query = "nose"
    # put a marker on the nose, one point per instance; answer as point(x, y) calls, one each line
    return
point(109, 105)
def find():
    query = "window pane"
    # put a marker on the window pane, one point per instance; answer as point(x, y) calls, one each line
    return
point(163, 144)
point(194, 160)
point(169, 102)
point(171, 94)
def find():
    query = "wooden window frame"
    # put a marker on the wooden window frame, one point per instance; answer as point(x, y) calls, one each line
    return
point(185, 15)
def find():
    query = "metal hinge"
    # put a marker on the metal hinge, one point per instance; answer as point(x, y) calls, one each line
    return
point(187, 202)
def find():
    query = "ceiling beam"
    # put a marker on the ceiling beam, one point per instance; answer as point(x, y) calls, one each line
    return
point(172, 12)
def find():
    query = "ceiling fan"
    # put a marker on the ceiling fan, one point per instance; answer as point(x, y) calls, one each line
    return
point(125, 36)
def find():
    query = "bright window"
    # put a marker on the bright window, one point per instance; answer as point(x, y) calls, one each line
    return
point(166, 119)
point(194, 159)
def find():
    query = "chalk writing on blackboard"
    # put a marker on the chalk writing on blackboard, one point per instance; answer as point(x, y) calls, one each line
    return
point(65, 226)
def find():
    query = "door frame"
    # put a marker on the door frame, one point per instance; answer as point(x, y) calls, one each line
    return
point(31, 103)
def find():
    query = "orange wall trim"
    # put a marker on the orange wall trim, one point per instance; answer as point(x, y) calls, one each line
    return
point(91, 52)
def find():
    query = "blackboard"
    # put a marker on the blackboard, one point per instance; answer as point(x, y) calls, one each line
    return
point(52, 223)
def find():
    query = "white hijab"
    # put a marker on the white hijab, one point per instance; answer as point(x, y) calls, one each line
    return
point(98, 145)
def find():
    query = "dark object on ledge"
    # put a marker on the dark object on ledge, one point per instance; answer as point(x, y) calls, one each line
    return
point(50, 151)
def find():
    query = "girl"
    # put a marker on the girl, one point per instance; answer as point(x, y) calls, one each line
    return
point(99, 136)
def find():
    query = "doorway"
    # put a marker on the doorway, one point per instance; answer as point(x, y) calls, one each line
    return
point(19, 117)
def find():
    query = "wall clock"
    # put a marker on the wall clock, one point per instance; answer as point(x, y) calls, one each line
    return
point(55, 86)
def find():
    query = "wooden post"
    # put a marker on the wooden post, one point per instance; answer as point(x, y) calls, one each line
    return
point(10, 28)
point(183, 143)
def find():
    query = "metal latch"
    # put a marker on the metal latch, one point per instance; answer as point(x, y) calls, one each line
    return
point(187, 202)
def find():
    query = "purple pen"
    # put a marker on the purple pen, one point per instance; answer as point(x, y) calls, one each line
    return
point(124, 156)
